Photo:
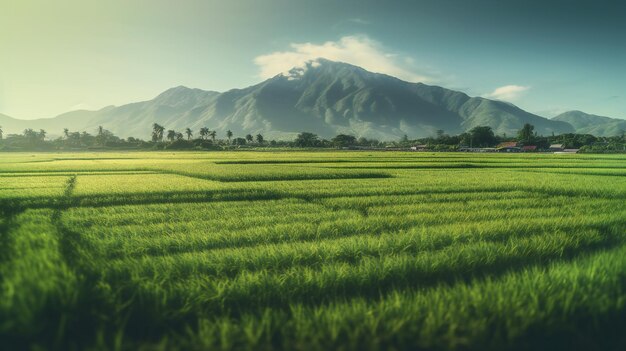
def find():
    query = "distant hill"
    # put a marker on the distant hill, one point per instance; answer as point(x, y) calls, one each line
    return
point(585, 123)
point(76, 120)
point(324, 97)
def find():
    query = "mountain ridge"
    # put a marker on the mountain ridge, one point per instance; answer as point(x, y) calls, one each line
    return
point(585, 123)
point(323, 97)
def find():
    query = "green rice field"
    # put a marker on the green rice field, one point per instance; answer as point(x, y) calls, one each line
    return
point(351, 250)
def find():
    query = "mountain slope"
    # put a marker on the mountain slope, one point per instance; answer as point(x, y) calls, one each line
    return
point(323, 97)
point(75, 120)
point(585, 123)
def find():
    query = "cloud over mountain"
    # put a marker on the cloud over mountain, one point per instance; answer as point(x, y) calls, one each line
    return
point(358, 50)
point(507, 92)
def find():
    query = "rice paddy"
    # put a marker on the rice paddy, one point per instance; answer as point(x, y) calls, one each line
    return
point(312, 251)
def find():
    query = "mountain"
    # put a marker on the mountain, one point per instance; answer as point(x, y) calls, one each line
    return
point(585, 123)
point(74, 120)
point(323, 97)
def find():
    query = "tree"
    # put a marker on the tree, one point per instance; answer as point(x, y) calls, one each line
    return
point(259, 138)
point(157, 132)
point(229, 135)
point(213, 134)
point(482, 136)
point(363, 141)
point(239, 141)
point(179, 136)
point(439, 133)
point(525, 135)
point(249, 138)
point(343, 140)
point(42, 134)
point(30, 134)
point(75, 137)
point(306, 139)
point(204, 131)
point(101, 137)
point(189, 133)
point(171, 135)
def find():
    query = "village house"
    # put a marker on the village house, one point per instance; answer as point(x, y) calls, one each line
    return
point(508, 146)
point(567, 151)
point(422, 147)
point(556, 147)
point(476, 149)
point(529, 148)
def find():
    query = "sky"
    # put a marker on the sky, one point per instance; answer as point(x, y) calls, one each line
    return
point(545, 56)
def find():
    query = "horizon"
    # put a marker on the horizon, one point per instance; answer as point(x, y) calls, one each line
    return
point(544, 58)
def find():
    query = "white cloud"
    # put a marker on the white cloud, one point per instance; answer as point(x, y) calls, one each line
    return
point(507, 92)
point(358, 50)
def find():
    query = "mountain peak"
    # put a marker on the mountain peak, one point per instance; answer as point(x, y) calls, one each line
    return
point(181, 89)
point(182, 95)
point(322, 65)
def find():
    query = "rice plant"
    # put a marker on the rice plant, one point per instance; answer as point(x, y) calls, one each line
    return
point(312, 251)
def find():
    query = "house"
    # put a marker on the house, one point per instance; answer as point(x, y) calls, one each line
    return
point(477, 149)
point(567, 152)
point(529, 148)
point(556, 147)
point(509, 149)
point(508, 146)
point(422, 147)
point(469, 149)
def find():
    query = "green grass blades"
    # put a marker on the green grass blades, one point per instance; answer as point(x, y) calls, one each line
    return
point(312, 251)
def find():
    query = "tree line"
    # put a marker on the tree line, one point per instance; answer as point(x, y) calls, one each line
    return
point(207, 139)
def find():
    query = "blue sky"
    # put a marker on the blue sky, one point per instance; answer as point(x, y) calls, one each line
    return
point(546, 57)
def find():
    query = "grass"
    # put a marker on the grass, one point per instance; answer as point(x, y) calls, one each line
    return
point(312, 251)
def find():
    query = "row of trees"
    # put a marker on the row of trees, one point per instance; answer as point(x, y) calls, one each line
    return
point(32, 139)
point(204, 133)
point(481, 136)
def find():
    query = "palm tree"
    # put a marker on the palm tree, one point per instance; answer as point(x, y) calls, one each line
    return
point(249, 138)
point(100, 137)
point(526, 133)
point(42, 134)
point(171, 135)
point(259, 139)
point(189, 133)
point(213, 134)
point(157, 132)
point(204, 131)
point(66, 132)
point(30, 135)
point(179, 136)
point(229, 135)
